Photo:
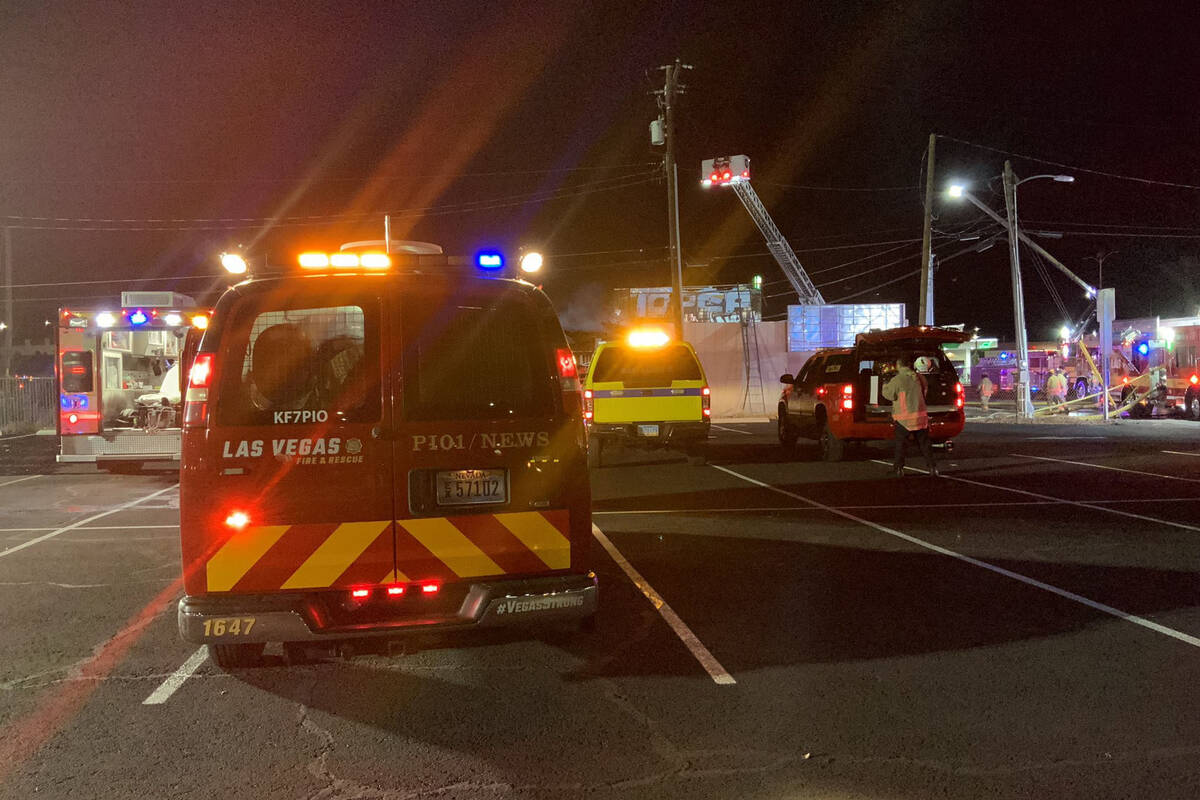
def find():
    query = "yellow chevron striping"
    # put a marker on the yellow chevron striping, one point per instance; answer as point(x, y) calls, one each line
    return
point(449, 544)
point(395, 576)
point(239, 554)
point(336, 553)
point(536, 533)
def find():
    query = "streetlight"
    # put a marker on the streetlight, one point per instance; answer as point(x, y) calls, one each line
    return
point(1024, 399)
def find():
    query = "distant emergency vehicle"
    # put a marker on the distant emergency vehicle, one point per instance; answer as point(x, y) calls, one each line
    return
point(119, 379)
point(647, 391)
point(379, 444)
point(836, 397)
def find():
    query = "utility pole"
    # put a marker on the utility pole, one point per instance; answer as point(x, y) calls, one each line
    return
point(1024, 400)
point(1099, 259)
point(666, 103)
point(926, 313)
point(8, 303)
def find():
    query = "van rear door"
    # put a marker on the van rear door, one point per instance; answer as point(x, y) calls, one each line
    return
point(491, 479)
point(293, 487)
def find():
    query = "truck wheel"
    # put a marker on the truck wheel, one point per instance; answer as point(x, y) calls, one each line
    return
point(787, 434)
point(1191, 404)
point(594, 453)
point(832, 448)
point(237, 656)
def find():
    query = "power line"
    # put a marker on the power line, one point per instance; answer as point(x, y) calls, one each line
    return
point(432, 211)
point(330, 179)
point(1072, 167)
point(840, 188)
point(869, 271)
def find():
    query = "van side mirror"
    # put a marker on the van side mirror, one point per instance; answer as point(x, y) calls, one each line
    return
point(787, 378)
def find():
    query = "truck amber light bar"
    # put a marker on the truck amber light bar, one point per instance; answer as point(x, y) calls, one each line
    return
point(343, 260)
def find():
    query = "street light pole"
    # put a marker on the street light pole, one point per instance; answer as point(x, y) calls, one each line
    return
point(1024, 399)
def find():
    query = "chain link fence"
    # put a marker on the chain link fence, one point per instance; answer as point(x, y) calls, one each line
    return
point(26, 404)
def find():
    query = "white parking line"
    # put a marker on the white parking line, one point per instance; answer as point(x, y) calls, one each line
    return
point(1107, 609)
point(1180, 453)
point(82, 522)
point(733, 430)
point(1097, 505)
point(168, 687)
point(701, 653)
point(18, 480)
point(1114, 469)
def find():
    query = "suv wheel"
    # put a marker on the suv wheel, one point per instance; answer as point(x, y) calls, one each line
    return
point(594, 452)
point(237, 656)
point(832, 448)
point(787, 434)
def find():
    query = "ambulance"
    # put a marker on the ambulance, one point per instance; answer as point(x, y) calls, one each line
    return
point(119, 379)
point(378, 444)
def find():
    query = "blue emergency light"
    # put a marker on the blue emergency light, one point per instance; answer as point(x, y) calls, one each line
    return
point(1004, 356)
point(138, 318)
point(1144, 349)
point(489, 259)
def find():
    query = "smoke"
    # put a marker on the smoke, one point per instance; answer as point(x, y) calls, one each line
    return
point(587, 309)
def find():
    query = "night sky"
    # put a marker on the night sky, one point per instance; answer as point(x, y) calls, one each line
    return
point(137, 141)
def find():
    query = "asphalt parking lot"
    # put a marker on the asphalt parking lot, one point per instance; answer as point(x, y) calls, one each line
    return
point(772, 626)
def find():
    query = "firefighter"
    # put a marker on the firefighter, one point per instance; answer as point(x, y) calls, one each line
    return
point(1056, 389)
point(986, 390)
point(909, 417)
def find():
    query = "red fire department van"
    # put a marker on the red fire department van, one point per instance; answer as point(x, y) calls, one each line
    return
point(376, 445)
point(836, 397)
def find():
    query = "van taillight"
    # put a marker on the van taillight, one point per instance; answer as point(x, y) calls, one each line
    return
point(568, 381)
point(706, 401)
point(195, 402)
point(848, 397)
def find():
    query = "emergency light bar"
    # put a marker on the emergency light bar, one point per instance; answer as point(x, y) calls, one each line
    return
point(488, 261)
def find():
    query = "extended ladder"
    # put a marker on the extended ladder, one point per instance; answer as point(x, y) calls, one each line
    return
point(778, 246)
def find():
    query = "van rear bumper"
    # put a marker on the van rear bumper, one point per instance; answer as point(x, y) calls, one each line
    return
point(294, 617)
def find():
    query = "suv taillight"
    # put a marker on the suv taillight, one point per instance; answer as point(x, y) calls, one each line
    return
point(589, 405)
point(706, 402)
point(960, 396)
point(568, 381)
point(195, 402)
point(848, 397)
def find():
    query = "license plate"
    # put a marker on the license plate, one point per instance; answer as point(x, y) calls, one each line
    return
point(467, 486)
point(647, 430)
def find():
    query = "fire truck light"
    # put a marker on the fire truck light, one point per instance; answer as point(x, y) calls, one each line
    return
point(237, 520)
point(314, 260)
point(489, 259)
point(1194, 379)
point(647, 337)
point(173, 319)
point(105, 319)
point(138, 318)
point(375, 261)
point(200, 322)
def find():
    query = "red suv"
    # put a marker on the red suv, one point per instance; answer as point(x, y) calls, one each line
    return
point(836, 397)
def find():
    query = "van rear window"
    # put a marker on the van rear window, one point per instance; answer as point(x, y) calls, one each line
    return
point(473, 358)
point(301, 359)
point(638, 368)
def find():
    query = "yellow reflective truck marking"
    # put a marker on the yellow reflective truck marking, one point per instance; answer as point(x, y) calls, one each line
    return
point(335, 555)
point(449, 544)
point(395, 576)
point(239, 554)
point(536, 533)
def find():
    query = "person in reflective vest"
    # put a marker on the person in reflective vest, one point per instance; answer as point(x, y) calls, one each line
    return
point(986, 390)
point(906, 390)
